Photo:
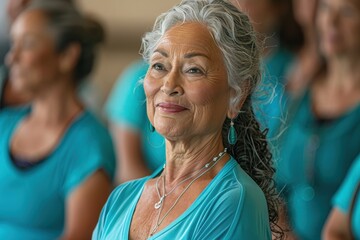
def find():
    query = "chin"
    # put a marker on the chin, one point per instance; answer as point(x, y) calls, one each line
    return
point(170, 132)
point(19, 88)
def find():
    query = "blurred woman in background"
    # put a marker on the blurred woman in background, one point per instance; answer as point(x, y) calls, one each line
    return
point(56, 159)
point(140, 150)
point(323, 135)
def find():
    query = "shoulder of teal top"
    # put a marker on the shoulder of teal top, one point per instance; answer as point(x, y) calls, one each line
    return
point(94, 148)
point(126, 103)
point(344, 195)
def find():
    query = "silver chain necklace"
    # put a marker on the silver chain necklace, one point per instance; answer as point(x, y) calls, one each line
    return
point(159, 205)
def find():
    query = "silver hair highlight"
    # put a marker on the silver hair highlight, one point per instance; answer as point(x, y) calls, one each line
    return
point(232, 33)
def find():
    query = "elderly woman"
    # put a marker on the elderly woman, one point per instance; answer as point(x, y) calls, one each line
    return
point(217, 180)
point(56, 159)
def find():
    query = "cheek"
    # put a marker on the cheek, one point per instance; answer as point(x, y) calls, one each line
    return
point(151, 87)
point(40, 65)
point(205, 96)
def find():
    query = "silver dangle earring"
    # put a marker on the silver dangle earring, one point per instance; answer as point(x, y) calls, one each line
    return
point(232, 135)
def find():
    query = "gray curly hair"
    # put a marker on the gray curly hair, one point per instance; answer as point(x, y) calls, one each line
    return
point(231, 31)
point(234, 35)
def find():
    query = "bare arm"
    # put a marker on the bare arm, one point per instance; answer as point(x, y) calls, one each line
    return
point(84, 205)
point(130, 158)
point(337, 226)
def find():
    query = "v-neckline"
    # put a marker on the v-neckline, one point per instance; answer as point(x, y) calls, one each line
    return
point(227, 167)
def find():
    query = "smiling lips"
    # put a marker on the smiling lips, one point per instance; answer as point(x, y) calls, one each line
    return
point(171, 107)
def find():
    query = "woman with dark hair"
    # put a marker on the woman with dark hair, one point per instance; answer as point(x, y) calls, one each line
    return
point(56, 159)
point(217, 180)
point(322, 138)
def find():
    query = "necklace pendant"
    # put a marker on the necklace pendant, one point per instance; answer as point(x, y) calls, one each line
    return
point(159, 203)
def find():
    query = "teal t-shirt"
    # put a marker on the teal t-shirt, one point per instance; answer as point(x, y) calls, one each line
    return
point(126, 106)
point(315, 156)
point(33, 200)
point(232, 206)
point(345, 195)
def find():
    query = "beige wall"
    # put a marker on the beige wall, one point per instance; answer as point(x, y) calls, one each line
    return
point(125, 22)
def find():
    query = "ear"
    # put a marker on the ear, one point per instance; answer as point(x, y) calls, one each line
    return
point(69, 58)
point(235, 109)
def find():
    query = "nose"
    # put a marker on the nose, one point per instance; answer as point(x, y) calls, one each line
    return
point(172, 84)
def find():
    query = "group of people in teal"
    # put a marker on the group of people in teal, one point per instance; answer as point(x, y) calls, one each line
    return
point(57, 159)
point(295, 111)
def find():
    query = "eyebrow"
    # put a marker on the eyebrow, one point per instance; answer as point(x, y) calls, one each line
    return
point(161, 52)
point(188, 55)
point(196, 54)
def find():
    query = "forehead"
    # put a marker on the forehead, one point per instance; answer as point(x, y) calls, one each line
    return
point(31, 21)
point(192, 35)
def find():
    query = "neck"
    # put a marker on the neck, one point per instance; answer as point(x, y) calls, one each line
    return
point(344, 74)
point(183, 159)
point(56, 105)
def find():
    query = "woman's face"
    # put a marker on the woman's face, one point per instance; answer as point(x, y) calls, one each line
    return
point(263, 14)
point(339, 27)
point(33, 60)
point(186, 84)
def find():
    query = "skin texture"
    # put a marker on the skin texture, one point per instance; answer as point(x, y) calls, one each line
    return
point(185, 85)
point(337, 226)
point(46, 75)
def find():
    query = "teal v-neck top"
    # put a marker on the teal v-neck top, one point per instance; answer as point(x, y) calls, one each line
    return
point(232, 206)
point(314, 159)
point(33, 200)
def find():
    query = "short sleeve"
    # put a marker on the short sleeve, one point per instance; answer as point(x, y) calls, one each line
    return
point(235, 216)
point(344, 195)
point(93, 151)
point(102, 222)
point(126, 104)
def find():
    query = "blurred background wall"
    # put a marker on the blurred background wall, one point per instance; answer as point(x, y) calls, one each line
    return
point(125, 22)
